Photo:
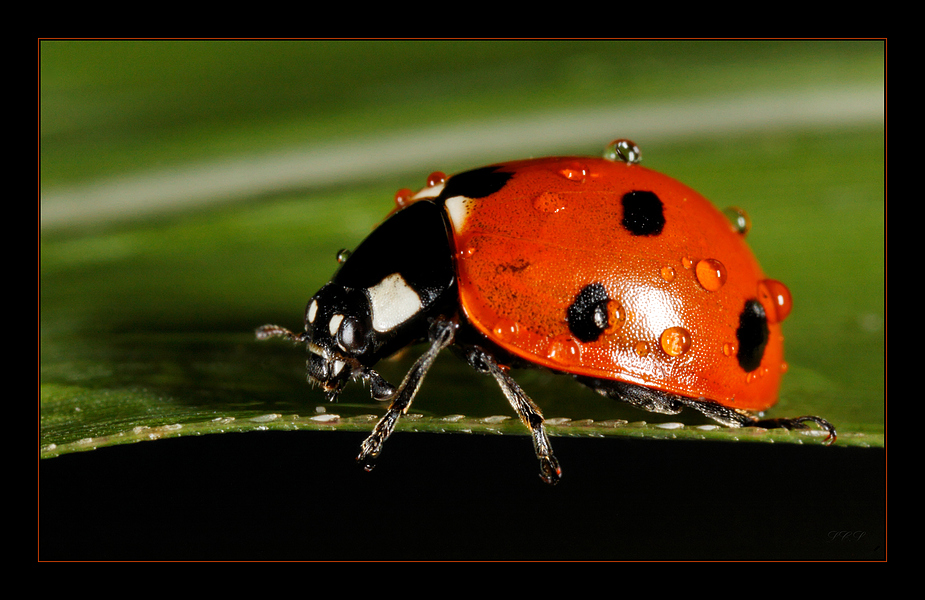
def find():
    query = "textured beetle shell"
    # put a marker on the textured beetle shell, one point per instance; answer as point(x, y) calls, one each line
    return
point(525, 254)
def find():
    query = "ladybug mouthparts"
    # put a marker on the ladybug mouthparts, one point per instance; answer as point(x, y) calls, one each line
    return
point(341, 341)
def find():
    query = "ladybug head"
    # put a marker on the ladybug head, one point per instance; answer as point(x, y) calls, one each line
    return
point(339, 335)
point(349, 329)
point(379, 301)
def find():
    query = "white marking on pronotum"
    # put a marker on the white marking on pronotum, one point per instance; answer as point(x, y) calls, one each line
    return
point(458, 209)
point(392, 302)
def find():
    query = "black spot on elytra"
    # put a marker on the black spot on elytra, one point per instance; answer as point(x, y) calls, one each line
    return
point(643, 213)
point(752, 334)
point(477, 183)
point(587, 315)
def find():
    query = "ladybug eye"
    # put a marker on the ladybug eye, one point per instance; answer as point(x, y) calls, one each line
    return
point(351, 335)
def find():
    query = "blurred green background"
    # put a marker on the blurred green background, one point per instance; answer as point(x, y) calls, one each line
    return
point(194, 190)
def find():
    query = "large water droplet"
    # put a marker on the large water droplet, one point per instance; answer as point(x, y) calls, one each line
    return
point(506, 329)
point(623, 151)
point(616, 316)
point(563, 349)
point(403, 197)
point(436, 178)
point(711, 274)
point(675, 341)
point(741, 222)
point(776, 299)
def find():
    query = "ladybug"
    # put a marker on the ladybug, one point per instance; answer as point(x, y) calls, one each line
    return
point(598, 268)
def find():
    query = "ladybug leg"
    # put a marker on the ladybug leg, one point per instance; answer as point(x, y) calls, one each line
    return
point(671, 404)
point(724, 415)
point(636, 395)
point(441, 334)
point(380, 389)
point(529, 413)
point(798, 423)
point(735, 418)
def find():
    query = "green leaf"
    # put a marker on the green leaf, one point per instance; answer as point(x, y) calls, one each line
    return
point(149, 296)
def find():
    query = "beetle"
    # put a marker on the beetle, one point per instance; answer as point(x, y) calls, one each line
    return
point(598, 268)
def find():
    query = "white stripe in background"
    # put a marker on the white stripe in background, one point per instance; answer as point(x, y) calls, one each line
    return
point(538, 134)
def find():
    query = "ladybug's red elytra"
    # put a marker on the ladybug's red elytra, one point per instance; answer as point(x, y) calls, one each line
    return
point(598, 268)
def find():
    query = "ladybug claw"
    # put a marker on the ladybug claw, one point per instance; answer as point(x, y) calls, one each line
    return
point(371, 447)
point(366, 461)
point(550, 472)
point(800, 423)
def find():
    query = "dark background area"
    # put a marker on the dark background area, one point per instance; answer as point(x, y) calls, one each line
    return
point(298, 496)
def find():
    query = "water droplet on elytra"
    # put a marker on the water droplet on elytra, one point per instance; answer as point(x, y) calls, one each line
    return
point(616, 316)
point(741, 222)
point(574, 172)
point(506, 328)
point(563, 348)
point(776, 299)
point(675, 341)
point(711, 274)
point(549, 202)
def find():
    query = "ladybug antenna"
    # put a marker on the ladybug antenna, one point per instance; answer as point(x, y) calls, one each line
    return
point(268, 331)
